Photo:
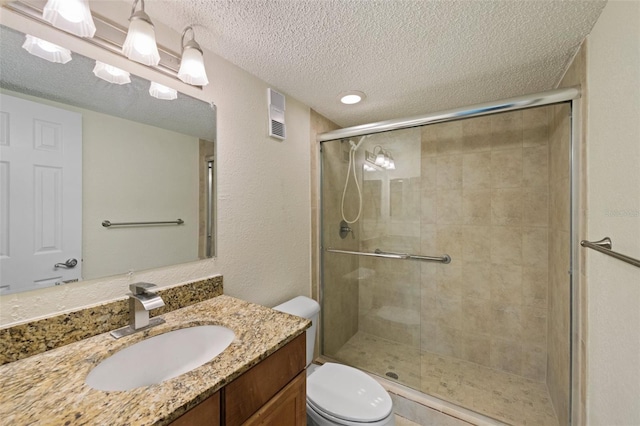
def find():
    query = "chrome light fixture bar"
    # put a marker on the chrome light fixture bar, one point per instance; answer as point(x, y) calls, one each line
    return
point(109, 35)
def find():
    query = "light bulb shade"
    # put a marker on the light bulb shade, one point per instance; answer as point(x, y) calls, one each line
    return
point(380, 159)
point(111, 74)
point(162, 92)
point(140, 44)
point(73, 16)
point(192, 68)
point(392, 165)
point(45, 50)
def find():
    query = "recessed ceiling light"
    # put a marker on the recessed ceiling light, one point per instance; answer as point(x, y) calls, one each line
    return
point(352, 97)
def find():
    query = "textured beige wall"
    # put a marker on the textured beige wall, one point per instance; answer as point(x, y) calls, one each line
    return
point(613, 207)
point(263, 189)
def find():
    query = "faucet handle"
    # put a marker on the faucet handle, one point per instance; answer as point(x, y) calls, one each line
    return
point(140, 288)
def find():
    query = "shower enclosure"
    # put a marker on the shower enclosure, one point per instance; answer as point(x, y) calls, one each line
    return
point(453, 279)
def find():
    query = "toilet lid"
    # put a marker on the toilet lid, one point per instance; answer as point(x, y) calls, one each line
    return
point(347, 393)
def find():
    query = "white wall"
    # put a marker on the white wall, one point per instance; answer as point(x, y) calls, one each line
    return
point(613, 209)
point(263, 189)
point(122, 183)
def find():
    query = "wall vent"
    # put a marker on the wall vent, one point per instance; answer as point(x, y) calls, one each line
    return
point(277, 128)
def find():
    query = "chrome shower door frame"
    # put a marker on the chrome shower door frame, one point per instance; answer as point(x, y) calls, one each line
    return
point(569, 95)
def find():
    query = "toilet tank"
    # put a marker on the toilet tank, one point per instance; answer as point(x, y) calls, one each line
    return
point(304, 307)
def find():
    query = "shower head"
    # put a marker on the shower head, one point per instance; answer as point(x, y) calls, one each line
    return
point(354, 145)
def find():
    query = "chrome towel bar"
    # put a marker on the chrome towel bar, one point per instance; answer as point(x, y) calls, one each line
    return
point(108, 224)
point(604, 246)
point(391, 255)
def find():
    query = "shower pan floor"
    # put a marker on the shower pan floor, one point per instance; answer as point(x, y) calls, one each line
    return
point(506, 397)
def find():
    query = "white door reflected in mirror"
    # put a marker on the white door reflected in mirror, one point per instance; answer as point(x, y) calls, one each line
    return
point(40, 195)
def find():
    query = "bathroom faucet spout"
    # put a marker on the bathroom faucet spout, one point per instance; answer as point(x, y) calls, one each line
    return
point(141, 301)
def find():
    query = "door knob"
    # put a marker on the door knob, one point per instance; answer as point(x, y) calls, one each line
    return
point(70, 263)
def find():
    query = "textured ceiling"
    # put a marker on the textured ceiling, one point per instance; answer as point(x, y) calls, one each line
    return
point(409, 57)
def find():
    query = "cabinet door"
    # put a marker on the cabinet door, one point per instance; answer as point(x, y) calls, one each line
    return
point(287, 408)
point(248, 393)
point(207, 413)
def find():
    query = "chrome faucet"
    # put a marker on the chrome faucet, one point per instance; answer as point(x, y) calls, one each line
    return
point(141, 301)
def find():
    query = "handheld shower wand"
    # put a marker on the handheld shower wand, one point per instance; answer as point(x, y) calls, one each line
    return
point(352, 168)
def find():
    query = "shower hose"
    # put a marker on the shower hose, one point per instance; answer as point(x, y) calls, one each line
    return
point(352, 168)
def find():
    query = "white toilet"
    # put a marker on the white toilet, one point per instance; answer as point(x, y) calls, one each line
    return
point(338, 394)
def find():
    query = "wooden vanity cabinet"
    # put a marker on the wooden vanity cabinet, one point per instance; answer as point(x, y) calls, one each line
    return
point(205, 413)
point(272, 392)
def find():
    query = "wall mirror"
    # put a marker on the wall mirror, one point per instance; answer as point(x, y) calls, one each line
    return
point(77, 151)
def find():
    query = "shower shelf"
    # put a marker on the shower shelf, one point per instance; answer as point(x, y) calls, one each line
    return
point(391, 255)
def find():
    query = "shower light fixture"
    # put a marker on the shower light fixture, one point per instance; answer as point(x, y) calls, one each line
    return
point(140, 44)
point(352, 97)
point(73, 16)
point(111, 74)
point(45, 50)
point(162, 92)
point(192, 69)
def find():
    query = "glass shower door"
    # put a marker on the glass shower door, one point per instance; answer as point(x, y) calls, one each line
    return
point(371, 316)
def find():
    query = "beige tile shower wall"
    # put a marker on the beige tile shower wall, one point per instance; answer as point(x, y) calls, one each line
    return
point(340, 289)
point(485, 198)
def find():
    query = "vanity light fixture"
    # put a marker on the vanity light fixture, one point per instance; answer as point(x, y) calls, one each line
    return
point(45, 50)
point(73, 16)
point(140, 44)
point(192, 69)
point(111, 74)
point(352, 97)
point(162, 92)
point(381, 158)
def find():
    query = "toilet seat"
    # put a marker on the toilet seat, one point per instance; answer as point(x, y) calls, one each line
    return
point(323, 419)
point(347, 396)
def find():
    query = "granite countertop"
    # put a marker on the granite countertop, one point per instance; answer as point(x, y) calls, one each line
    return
point(49, 388)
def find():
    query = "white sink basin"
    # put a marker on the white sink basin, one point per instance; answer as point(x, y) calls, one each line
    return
point(160, 358)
